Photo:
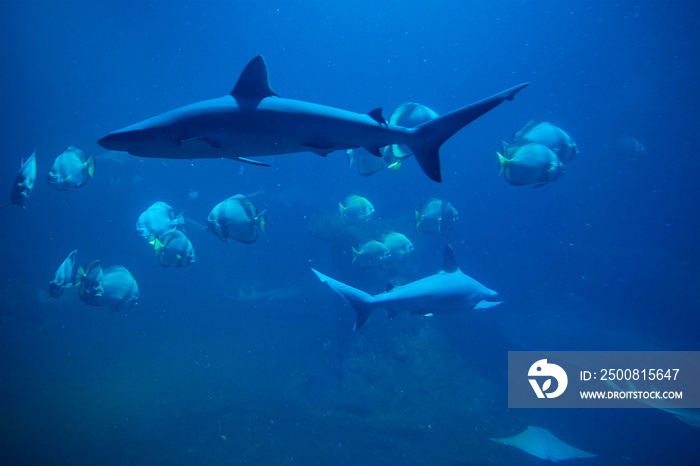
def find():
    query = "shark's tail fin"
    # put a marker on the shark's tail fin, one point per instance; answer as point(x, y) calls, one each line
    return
point(360, 301)
point(409, 115)
point(433, 133)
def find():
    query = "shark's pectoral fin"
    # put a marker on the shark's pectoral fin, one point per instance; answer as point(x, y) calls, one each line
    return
point(483, 304)
point(252, 162)
point(319, 147)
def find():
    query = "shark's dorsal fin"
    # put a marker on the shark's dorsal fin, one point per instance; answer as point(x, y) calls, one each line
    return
point(449, 263)
point(252, 84)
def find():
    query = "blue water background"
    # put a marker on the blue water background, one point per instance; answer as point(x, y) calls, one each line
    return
point(605, 258)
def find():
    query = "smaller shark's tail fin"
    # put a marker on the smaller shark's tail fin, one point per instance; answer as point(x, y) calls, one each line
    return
point(359, 300)
point(433, 133)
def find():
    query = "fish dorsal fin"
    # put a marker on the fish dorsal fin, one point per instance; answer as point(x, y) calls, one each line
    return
point(449, 263)
point(377, 116)
point(529, 126)
point(252, 84)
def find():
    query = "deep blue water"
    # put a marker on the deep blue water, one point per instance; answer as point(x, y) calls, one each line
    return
point(605, 258)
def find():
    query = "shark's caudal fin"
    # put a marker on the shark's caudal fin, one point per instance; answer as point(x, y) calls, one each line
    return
point(360, 301)
point(433, 134)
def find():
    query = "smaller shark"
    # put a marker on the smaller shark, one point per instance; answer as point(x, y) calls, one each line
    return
point(447, 292)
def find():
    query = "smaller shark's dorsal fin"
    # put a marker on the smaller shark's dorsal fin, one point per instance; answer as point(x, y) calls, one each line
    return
point(252, 84)
point(449, 263)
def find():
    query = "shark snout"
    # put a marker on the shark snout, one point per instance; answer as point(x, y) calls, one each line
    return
point(112, 141)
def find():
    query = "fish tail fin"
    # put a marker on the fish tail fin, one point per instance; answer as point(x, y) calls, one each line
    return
point(359, 300)
point(355, 254)
point(501, 163)
point(416, 217)
point(157, 246)
point(433, 133)
point(90, 163)
point(341, 209)
point(261, 221)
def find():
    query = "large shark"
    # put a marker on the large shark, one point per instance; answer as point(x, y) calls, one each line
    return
point(253, 120)
point(448, 291)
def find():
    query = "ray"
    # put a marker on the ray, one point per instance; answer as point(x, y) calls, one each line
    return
point(541, 443)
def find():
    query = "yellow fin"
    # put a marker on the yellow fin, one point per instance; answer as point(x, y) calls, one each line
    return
point(90, 166)
point(502, 163)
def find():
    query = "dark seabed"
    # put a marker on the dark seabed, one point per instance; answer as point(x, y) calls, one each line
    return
point(244, 357)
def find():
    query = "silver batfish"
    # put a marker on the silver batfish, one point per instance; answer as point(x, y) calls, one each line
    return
point(530, 163)
point(175, 250)
point(356, 209)
point(24, 181)
point(158, 220)
point(553, 137)
point(236, 218)
point(120, 289)
point(90, 281)
point(63, 278)
point(398, 244)
point(72, 169)
point(436, 216)
point(371, 254)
